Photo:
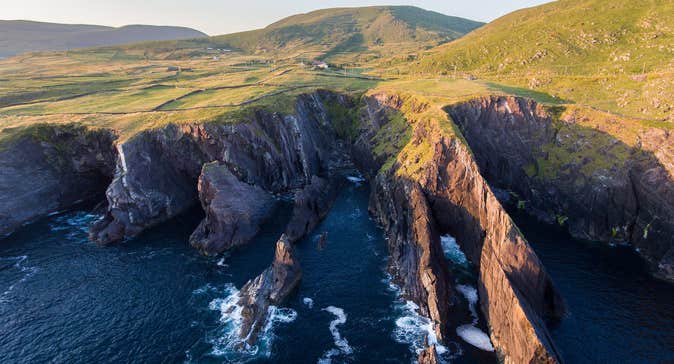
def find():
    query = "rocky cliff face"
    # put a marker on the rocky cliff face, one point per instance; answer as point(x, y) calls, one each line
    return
point(311, 205)
point(157, 170)
point(563, 172)
point(50, 168)
point(436, 175)
point(234, 210)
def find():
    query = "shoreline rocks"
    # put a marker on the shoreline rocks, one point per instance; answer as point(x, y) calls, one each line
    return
point(577, 176)
point(51, 168)
point(515, 291)
point(234, 210)
point(271, 287)
point(311, 205)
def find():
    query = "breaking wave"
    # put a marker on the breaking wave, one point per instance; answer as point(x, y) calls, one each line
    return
point(226, 340)
point(416, 330)
point(452, 250)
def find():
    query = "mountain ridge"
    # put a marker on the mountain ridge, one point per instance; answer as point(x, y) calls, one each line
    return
point(20, 36)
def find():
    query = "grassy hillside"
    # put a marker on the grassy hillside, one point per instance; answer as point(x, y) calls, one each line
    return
point(615, 55)
point(341, 35)
point(374, 31)
point(19, 36)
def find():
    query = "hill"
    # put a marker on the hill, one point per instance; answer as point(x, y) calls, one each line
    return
point(616, 55)
point(379, 30)
point(340, 35)
point(19, 36)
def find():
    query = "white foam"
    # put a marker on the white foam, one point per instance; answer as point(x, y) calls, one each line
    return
point(341, 343)
point(308, 302)
point(228, 343)
point(452, 250)
point(414, 329)
point(475, 337)
point(356, 179)
point(471, 296)
point(471, 333)
point(221, 263)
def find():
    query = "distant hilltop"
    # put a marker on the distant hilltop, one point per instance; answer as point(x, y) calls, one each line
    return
point(20, 36)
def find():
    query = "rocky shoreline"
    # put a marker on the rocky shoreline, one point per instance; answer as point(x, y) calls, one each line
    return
point(426, 181)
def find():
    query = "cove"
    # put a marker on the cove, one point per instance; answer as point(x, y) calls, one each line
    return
point(154, 298)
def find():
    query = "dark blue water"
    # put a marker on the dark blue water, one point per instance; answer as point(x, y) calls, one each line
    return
point(617, 312)
point(154, 299)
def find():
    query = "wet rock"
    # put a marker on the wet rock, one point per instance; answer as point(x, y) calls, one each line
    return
point(417, 262)
point(428, 356)
point(311, 205)
point(269, 288)
point(234, 210)
point(51, 168)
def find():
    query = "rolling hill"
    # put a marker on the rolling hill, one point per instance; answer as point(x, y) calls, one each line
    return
point(615, 55)
point(19, 36)
point(336, 35)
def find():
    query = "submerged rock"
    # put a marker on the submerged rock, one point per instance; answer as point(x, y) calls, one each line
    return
point(234, 210)
point(312, 204)
point(269, 288)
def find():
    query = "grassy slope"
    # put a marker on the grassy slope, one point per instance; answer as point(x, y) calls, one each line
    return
point(341, 35)
point(614, 55)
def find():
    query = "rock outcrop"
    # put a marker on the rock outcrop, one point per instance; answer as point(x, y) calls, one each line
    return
point(428, 356)
point(601, 187)
point(234, 210)
point(157, 170)
point(50, 168)
point(269, 288)
point(311, 205)
point(436, 172)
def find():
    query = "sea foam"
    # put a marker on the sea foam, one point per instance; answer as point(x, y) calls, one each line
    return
point(471, 333)
point(452, 250)
point(342, 345)
point(226, 341)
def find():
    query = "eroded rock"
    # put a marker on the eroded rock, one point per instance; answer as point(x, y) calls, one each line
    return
point(515, 290)
point(234, 210)
point(311, 205)
point(579, 176)
point(269, 288)
point(51, 168)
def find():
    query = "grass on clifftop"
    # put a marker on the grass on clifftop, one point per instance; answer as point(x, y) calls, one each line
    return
point(614, 55)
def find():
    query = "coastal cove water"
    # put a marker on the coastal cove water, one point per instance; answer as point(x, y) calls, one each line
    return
point(155, 299)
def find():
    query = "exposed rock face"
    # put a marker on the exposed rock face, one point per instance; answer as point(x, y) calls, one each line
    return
point(563, 172)
point(157, 170)
point(428, 356)
point(50, 169)
point(417, 262)
point(234, 210)
point(312, 204)
point(437, 170)
point(269, 288)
